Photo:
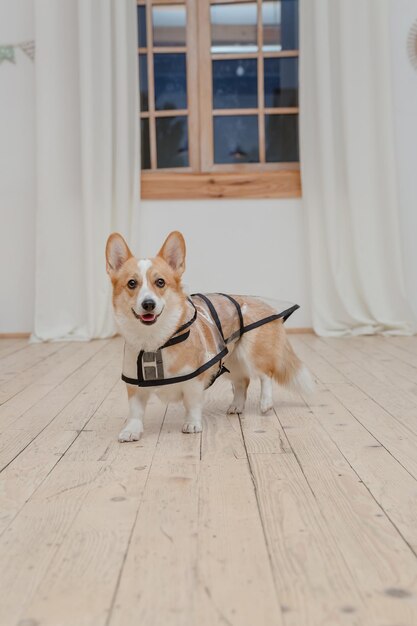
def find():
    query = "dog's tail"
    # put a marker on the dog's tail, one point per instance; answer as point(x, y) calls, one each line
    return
point(291, 372)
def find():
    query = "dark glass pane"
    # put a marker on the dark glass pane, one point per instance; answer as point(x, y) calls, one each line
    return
point(234, 27)
point(141, 14)
point(145, 153)
point(281, 82)
point(169, 22)
point(170, 81)
point(280, 24)
point(236, 139)
point(235, 84)
point(281, 135)
point(172, 141)
point(143, 82)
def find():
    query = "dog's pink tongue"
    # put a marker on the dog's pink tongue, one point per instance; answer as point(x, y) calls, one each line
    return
point(148, 317)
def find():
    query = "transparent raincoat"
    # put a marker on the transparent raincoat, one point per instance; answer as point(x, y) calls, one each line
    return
point(216, 323)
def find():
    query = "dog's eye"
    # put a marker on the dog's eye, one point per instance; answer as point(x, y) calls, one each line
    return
point(132, 283)
point(160, 282)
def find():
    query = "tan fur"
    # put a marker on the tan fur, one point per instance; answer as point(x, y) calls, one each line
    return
point(272, 353)
point(130, 391)
point(189, 354)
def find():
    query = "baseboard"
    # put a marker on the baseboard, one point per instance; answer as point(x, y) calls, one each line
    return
point(14, 335)
point(300, 331)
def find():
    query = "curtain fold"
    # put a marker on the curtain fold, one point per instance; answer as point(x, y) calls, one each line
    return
point(87, 159)
point(349, 170)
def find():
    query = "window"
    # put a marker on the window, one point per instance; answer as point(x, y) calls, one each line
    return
point(219, 98)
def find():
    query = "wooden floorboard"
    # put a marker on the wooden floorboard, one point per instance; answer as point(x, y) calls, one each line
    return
point(381, 560)
point(16, 380)
point(397, 435)
point(312, 581)
point(91, 553)
point(389, 482)
point(303, 517)
point(8, 346)
point(29, 424)
point(12, 411)
point(26, 473)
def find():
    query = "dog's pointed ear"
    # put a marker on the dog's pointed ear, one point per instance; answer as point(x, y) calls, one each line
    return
point(117, 253)
point(173, 252)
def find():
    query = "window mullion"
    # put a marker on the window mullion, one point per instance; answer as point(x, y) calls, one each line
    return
point(151, 86)
point(205, 86)
point(193, 99)
point(261, 99)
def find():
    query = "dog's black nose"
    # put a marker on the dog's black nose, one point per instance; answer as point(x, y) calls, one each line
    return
point(148, 305)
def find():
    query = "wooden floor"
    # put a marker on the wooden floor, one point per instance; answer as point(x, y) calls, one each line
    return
point(306, 517)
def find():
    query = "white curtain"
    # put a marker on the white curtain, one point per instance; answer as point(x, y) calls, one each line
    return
point(349, 170)
point(87, 158)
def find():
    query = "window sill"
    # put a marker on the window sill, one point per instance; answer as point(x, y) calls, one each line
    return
point(193, 186)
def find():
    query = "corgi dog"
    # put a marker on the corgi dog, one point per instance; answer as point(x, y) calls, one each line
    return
point(175, 346)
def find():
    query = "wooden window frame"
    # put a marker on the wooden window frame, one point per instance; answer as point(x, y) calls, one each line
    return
point(203, 178)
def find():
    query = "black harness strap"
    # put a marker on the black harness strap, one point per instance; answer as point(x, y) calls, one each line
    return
point(176, 379)
point(222, 370)
point(284, 316)
point(239, 312)
point(191, 321)
point(212, 311)
point(174, 340)
point(139, 374)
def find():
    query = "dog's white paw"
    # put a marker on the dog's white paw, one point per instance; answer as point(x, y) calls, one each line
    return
point(192, 427)
point(235, 409)
point(129, 434)
point(266, 407)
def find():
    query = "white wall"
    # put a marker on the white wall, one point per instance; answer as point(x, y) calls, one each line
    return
point(17, 171)
point(237, 246)
point(404, 13)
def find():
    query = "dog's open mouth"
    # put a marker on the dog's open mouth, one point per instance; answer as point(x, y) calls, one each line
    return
point(146, 318)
